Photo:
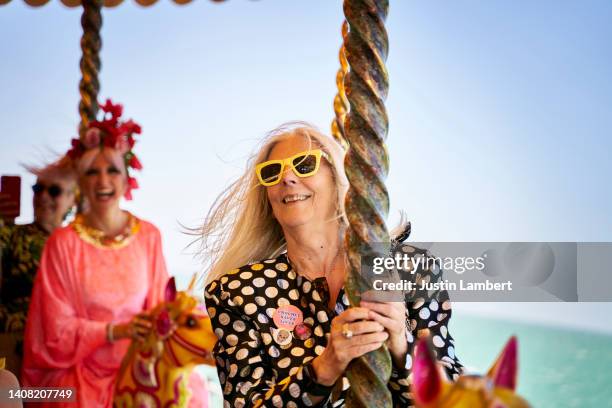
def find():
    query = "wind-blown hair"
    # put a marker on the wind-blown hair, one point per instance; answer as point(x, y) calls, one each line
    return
point(240, 226)
point(57, 170)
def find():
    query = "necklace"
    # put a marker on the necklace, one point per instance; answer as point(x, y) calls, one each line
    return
point(97, 237)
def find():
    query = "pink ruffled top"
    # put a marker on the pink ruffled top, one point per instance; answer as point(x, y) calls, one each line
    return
point(80, 287)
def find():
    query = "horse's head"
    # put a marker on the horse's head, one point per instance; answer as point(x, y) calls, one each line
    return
point(158, 368)
point(182, 329)
point(496, 389)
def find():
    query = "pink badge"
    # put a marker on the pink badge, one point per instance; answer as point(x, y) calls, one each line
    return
point(303, 331)
point(287, 317)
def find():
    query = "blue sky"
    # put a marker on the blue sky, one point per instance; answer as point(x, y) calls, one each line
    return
point(499, 111)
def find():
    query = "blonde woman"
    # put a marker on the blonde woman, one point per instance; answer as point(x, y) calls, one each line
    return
point(275, 289)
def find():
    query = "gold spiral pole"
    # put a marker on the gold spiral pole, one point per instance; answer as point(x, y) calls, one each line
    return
point(341, 105)
point(91, 21)
point(367, 165)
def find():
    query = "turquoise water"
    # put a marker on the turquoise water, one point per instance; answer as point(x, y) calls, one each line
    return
point(557, 367)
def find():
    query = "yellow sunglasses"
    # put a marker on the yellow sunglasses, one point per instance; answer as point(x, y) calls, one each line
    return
point(304, 164)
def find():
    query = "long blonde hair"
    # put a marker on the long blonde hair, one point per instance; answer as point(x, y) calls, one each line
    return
point(240, 226)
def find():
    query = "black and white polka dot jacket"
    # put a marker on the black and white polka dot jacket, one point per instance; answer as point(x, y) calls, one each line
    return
point(257, 369)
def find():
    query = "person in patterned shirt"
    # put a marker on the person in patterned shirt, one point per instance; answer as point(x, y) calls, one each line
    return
point(98, 276)
point(20, 250)
point(275, 287)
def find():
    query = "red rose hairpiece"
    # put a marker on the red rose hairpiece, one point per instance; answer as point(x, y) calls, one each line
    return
point(113, 133)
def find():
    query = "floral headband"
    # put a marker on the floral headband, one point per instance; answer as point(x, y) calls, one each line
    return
point(111, 132)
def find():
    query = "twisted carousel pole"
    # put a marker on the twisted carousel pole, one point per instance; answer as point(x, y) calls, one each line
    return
point(91, 21)
point(366, 164)
point(341, 104)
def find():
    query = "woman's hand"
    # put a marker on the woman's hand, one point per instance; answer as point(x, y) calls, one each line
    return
point(138, 328)
point(392, 316)
point(367, 335)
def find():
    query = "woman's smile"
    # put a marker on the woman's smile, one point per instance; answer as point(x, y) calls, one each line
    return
point(105, 194)
point(295, 198)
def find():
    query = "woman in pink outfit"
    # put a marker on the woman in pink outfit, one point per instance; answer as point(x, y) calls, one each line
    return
point(96, 275)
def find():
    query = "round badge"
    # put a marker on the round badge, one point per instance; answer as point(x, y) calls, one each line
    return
point(302, 331)
point(287, 317)
point(282, 336)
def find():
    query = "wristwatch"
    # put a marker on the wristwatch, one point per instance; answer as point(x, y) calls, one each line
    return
point(311, 385)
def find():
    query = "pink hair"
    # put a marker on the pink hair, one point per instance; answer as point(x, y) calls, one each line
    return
point(112, 155)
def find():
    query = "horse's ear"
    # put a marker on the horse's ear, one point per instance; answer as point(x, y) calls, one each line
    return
point(170, 290)
point(503, 372)
point(426, 378)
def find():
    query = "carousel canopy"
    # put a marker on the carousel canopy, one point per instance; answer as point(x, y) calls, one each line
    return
point(107, 3)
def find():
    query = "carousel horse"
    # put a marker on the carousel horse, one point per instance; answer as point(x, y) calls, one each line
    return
point(156, 372)
point(496, 389)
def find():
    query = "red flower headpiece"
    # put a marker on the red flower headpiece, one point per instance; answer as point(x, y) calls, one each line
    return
point(110, 132)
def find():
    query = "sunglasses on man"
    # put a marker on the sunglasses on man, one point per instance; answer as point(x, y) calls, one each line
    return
point(304, 164)
point(53, 190)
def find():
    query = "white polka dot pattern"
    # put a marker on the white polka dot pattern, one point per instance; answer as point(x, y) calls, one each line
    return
point(257, 367)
